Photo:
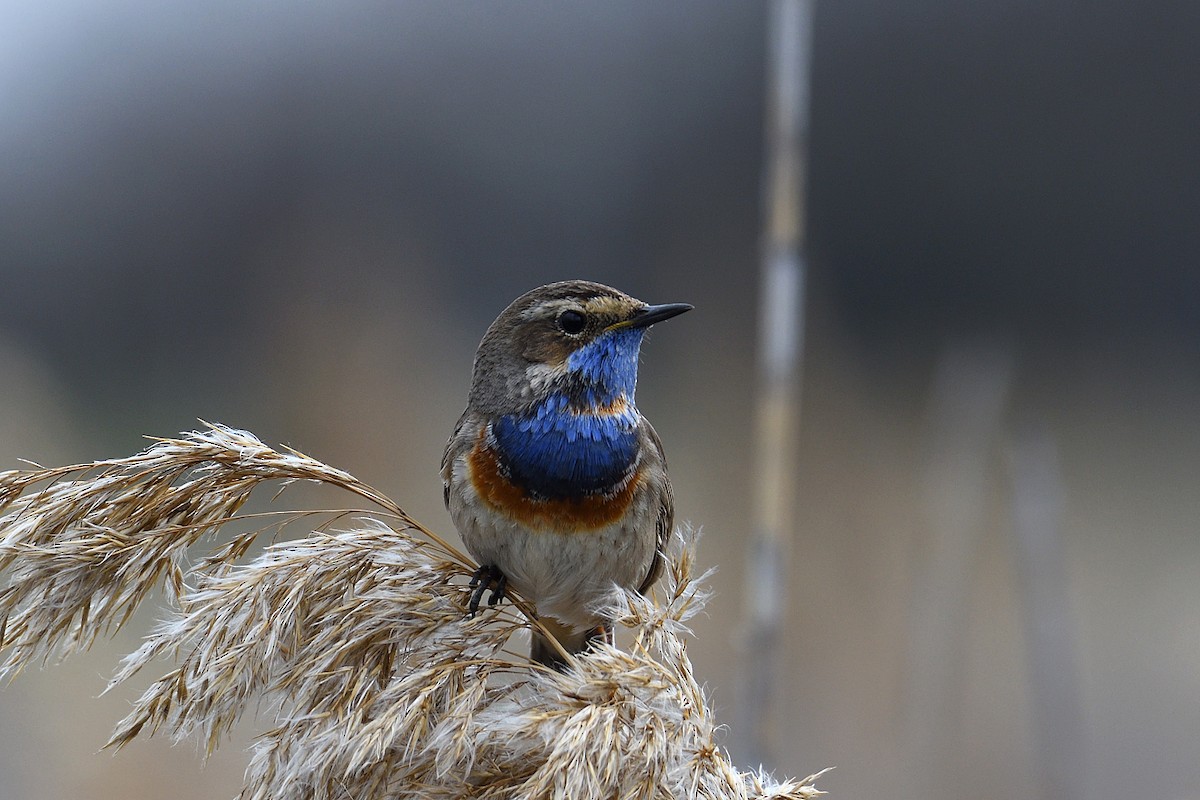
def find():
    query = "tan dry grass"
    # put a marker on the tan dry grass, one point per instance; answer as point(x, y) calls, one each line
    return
point(381, 686)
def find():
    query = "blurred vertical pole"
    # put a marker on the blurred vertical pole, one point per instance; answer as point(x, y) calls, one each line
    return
point(780, 350)
point(966, 409)
point(1049, 628)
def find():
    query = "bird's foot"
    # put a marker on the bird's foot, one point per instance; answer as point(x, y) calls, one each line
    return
point(485, 578)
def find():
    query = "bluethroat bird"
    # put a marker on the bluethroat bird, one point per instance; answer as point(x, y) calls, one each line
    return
point(557, 484)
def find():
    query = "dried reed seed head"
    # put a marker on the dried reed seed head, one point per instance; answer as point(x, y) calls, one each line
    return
point(359, 638)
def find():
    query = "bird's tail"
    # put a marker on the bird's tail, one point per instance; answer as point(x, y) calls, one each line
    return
point(543, 651)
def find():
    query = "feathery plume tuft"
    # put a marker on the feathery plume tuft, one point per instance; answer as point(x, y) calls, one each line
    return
point(382, 685)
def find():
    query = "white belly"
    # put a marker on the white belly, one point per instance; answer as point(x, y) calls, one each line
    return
point(566, 575)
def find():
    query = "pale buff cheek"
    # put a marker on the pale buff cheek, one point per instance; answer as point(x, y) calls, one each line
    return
point(537, 380)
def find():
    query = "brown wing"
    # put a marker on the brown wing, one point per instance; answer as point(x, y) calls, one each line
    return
point(665, 521)
point(453, 445)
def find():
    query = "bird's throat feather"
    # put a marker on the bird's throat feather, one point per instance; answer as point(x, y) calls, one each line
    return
point(556, 450)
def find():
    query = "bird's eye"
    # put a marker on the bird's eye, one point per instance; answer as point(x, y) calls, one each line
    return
point(571, 322)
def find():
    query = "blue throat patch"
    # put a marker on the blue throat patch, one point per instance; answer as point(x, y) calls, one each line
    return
point(582, 441)
point(608, 364)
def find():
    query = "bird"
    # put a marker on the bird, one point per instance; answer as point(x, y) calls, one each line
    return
point(555, 481)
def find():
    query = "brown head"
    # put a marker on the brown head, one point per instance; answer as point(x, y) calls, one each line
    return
point(578, 329)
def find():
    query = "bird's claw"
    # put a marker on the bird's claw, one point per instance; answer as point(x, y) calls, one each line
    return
point(485, 578)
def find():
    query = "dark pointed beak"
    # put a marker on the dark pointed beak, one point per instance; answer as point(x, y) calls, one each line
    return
point(645, 317)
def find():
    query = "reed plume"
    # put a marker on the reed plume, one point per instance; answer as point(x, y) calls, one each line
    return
point(356, 635)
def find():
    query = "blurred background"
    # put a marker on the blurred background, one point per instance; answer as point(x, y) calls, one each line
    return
point(299, 218)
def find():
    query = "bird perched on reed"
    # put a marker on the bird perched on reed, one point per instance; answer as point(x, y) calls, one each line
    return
point(557, 484)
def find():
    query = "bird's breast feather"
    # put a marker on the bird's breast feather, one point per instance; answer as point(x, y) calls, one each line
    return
point(568, 514)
